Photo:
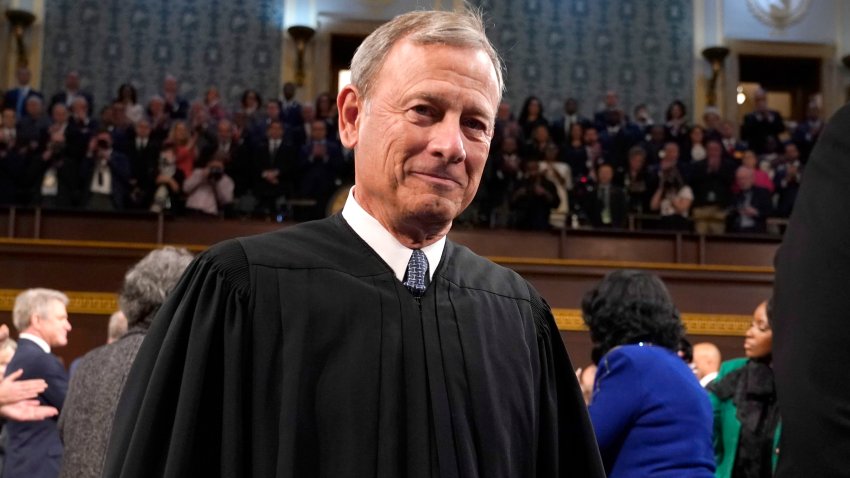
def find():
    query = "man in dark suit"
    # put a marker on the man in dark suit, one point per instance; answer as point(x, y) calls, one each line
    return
point(34, 449)
point(761, 124)
point(751, 206)
point(290, 109)
point(71, 92)
point(104, 176)
point(176, 106)
point(273, 169)
point(142, 151)
point(17, 97)
point(318, 168)
point(607, 207)
point(561, 126)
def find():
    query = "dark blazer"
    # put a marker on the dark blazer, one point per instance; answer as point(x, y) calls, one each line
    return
point(284, 160)
point(11, 100)
point(119, 167)
point(758, 127)
point(34, 449)
point(617, 205)
point(810, 327)
point(559, 131)
point(760, 200)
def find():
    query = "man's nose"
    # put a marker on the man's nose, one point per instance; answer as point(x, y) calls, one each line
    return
point(447, 140)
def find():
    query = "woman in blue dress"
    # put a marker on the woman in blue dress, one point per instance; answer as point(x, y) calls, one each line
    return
point(651, 416)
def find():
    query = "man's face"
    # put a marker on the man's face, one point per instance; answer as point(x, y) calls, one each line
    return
point(23, 76)
point(224, 131)
point(143, 129)
point(318, 130)
point(791, 152)
point(671, 153)
point(423, 137)
point(714, 152)
point(606, 174)
point(60, 113)
point(72, 82)
point(272, 110)
point(33, 107)
point(9, 118)
point(275, 131)
point(52, 324)
point(504, 112)
point(744, 178)
point(570, 106)
point(288, 91)
point(591, 136)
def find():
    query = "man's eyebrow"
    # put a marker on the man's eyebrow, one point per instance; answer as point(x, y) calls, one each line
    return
point(442, 102)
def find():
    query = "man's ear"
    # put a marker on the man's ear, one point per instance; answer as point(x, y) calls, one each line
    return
point(349, 104)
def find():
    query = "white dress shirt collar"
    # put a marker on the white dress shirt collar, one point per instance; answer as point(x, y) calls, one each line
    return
point(708, 379)
point(38, 341)
point(394, 253)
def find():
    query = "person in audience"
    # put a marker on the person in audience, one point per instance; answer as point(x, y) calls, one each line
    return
point(501, 178)
point(611, 102)
point(506, 124)
point(33, 449)
point(96, 384)
point(55, 178)
point(159, 117)
point(127, 95)
point(616, 139)
point(761, 124)
point(642, 119)
point(534, 199)
point(594, 152)
point(761, 178)
point(535, 147)
point(706, 362)
point(676, 126)
point(212, 104)
point(176, 106)
point(71, 92)
point(105, 175)
point(558, 172)
point(712, 121)
point(746, 416)
point(142, 151)
point(274, 168)
point(290, 109)
point(31, 128)
point(531, 116)
point(318, 168)
point(574, 151)
point(654, 144)
point(787, 179)
point(81, 127)
point(168, 182)
point(607, 206)
point(711, 181)
point(17, 97)
point(664, 428)
point(751, 205)
point(13, 161)
point(561, 127)
point(209, 189)
point(184, 143)
point(695, 145)
point(637, 182)
point(250, 106)
point(733, 148)
point(808, 131)
point(673, 197)
point(326, 111)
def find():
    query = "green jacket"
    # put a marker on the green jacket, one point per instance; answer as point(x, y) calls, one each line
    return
point(727, 428)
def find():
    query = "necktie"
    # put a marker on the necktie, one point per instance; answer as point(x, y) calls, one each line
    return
point(416, 277)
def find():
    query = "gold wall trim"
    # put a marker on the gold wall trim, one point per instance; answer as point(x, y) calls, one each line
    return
point(696, 324)
point(104, 303)
point(144, 246)
point(96, 303)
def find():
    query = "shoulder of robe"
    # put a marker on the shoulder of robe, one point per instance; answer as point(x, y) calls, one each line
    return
point(468, 270)
point(228, 261)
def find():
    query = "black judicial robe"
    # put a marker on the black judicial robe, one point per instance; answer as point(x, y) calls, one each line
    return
point(811, 316)
point(299, 354)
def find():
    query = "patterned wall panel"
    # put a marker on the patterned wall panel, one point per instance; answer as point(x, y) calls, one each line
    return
point(558, 48)
point(230, 44)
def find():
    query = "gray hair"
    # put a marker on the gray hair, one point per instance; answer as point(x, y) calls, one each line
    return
point(117, 326)
point(463, 29)
point(34, 302)
point(148, 283)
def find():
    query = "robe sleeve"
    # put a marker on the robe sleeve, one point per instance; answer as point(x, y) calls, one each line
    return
point(181, 411)
point(566, 442)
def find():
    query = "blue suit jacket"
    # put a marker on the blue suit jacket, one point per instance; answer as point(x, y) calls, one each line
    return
point(11, 98)
point(34, 449)
point(651, 416)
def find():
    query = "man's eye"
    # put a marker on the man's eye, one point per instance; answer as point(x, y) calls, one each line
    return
point(474, 124)
point(423, 110)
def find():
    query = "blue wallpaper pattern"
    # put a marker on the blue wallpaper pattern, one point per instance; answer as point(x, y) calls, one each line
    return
point(554, 49)
point(232, 44)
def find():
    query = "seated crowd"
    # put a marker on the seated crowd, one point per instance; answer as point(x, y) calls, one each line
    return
point(278, 158)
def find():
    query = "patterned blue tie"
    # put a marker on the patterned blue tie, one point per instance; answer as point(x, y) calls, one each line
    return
point(416, 277)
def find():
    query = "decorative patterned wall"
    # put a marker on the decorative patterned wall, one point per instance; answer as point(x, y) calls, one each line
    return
point(230, 44)
point(558, 48)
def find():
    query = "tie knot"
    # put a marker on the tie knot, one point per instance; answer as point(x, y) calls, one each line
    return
point(416, 277)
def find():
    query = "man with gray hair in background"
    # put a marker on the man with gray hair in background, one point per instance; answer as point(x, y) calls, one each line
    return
point(33, 449)
point(97, 382)
point(367, 344)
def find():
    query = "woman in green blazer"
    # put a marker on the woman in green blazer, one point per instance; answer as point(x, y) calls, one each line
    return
point(746, 418)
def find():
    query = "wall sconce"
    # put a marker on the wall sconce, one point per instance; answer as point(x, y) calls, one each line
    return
point(20, 20)
point(715, 55)
point(301, 35)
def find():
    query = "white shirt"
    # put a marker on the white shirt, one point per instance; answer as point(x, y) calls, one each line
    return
point(708, 379)
point(394, 253)
point(38, 341)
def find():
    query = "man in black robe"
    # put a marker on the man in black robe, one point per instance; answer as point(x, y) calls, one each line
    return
point(366, 344)
point(810, 325)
